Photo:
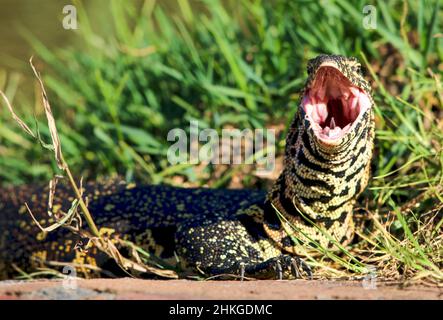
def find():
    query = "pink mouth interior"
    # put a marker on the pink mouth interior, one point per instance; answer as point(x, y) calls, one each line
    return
point(332, 104)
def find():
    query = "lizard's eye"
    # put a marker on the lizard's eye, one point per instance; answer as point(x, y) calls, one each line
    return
point(333, 104)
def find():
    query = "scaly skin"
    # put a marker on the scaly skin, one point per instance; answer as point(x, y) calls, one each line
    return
point(213, 231)
point(320, 183)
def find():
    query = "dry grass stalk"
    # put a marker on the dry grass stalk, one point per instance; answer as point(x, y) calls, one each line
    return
point(65, 219)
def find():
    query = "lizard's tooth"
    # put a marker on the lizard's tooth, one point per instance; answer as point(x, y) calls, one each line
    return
point(334, 132)
point(353, 112)
point(364, 101)
point(322, 111)
point(353, 102)
point(326, 131)
point(332, 124)
point(355, 91)
point(308, 108)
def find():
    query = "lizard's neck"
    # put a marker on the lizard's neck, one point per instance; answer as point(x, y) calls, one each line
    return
point(320, 186)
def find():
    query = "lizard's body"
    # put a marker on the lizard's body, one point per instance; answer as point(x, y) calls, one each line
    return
point(328, 151)
point(190, 223)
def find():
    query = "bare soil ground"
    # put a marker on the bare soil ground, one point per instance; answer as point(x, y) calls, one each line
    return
point(127, 288)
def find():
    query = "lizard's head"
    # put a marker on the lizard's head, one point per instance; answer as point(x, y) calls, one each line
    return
point(336, 98)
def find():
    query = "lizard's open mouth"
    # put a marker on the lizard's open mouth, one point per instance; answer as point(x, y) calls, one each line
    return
point(333, 104)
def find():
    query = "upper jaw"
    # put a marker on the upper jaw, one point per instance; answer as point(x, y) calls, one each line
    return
point(333, 105)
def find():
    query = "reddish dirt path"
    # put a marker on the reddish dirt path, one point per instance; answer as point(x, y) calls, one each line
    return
point(222, 290)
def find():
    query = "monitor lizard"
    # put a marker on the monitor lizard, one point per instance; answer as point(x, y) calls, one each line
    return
point(261, 234)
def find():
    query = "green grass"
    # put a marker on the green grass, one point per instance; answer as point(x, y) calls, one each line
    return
point(122, 87)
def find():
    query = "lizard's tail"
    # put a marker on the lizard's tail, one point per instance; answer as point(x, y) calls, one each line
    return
point(15, 225)
point(20, 237)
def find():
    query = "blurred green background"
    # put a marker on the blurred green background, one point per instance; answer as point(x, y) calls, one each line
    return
point(136, 69)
